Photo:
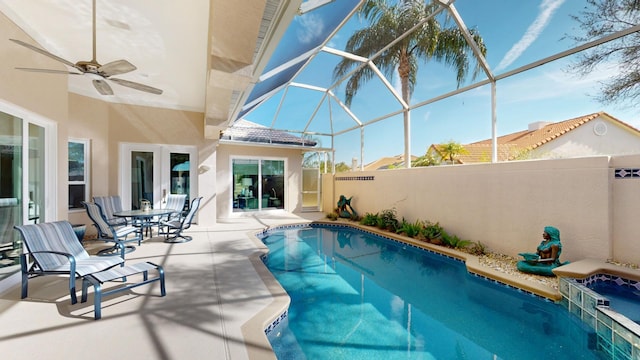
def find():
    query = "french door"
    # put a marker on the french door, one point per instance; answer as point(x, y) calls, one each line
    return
point(151, 172)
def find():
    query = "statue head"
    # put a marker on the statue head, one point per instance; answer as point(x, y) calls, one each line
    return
point(554, 233)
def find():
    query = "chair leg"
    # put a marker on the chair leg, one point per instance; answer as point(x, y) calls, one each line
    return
point(72, 289)
point(163, 288)
point(25, 276)
point(97, 295)
point(178, 238)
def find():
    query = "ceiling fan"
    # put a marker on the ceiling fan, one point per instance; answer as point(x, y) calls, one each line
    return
point(99, 73)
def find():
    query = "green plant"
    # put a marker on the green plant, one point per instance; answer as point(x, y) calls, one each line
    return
point(454, 241)
point(410, 229)
point(432, 231)
point(477, 248)
point(332, 216)
point(370, 219)
point(387, 220)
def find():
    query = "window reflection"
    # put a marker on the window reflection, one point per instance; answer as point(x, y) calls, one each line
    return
point(258, 184)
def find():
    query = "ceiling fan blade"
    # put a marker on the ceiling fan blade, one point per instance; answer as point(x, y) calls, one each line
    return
point(102, 87)
point(137, 86)
point(116, 68)
point(49, 71)
point(45, 53)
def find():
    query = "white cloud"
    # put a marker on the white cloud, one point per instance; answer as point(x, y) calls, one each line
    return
point(547, 9)
point(311, 27)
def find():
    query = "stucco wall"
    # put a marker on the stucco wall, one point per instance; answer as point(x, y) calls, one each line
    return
point(45, 94)
point(293, 180)
point(504, 206)
point(626, 200)
point(107, 125)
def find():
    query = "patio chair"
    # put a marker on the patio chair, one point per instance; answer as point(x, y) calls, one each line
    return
point(55, 250)
point(174, 228)
point(110, 233)
point(111, 205)
point(174, 202)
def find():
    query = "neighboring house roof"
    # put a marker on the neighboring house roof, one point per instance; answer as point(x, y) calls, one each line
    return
point(512, 145)
point(389, 162)
point(479, 152)
point(245, 130)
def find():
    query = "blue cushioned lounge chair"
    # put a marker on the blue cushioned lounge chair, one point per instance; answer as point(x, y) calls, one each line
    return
point(55, 250)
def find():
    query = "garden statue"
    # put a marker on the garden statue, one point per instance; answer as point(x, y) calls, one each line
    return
point(344, 208)
point(547, 255)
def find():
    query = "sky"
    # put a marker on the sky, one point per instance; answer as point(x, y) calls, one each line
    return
point(516, 33)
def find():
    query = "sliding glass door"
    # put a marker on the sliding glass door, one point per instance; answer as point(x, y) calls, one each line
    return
point(11, 154)
point(257, 184)
point(26, 183)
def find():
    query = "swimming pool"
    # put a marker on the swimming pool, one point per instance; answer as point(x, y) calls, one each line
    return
point(356, 295)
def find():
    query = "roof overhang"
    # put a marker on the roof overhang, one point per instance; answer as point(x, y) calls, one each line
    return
point(244, 35)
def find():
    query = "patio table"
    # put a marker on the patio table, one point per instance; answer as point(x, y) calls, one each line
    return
point(143, 217)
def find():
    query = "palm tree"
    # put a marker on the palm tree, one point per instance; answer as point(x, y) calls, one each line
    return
point(428, 159)
point(451, 150)
point(430, 41)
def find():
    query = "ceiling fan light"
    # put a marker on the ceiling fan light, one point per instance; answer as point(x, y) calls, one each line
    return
point(93, 76)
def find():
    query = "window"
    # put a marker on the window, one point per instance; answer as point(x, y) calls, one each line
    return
point(78, 173)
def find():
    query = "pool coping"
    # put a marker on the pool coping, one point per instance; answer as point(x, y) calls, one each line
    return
point(587, 267)
point(253, 331)
point(258, 346)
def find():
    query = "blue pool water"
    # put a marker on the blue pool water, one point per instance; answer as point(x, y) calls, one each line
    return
point(623, 299)
point(356, 295)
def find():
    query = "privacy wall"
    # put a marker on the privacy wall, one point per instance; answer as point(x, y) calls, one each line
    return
point(505, 206)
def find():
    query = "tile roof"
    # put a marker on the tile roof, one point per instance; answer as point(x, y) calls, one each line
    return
point(511, 145)
point(388, 162)
point(481, 152)
point(248, 131)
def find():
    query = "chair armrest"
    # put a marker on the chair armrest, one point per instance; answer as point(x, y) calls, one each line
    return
point(70, 257)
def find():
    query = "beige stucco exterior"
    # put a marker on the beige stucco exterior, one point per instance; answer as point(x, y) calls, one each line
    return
point(506, 205)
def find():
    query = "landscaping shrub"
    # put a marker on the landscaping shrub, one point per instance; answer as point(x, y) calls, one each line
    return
point(410, 229)
point(370, 219)
point(387, 220)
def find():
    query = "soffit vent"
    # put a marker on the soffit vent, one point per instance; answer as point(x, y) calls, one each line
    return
point(600, 128)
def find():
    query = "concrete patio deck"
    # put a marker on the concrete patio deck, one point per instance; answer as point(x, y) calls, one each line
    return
point(216, 306)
